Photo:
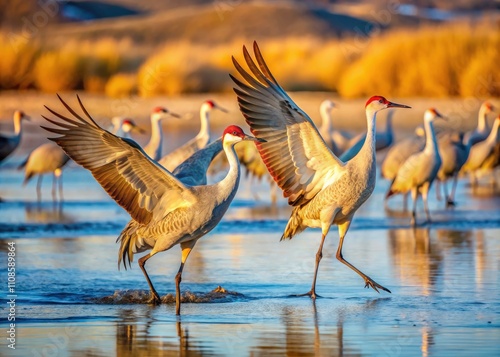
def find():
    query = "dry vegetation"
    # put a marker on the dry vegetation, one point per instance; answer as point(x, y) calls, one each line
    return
point(435, 62)
point(453, 60)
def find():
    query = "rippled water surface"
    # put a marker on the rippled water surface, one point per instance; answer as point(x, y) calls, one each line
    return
point(73, 301)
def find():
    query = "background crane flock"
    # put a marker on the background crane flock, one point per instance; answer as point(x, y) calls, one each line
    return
point(325, 173)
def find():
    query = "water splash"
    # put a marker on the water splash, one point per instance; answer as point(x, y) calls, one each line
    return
point(217, 295)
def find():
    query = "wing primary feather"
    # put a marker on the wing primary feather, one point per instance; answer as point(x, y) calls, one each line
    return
point(59, 124)
point(253, 67)
point(62, 116)
point(55, 130)
point(75, 114)
point(262, 63)
point(252, 81)
point(85, 110)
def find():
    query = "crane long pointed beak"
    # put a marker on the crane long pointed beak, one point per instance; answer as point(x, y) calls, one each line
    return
point(175, 115)
point(224, 110)
point(396, 105)
point(138, 129)
point(253, 138)
point(442, 117)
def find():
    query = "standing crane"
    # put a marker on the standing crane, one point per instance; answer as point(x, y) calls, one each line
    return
point(454, 154)
point(9, 143)
point(165, 212)
point(154, 147)
point(173, 159)
point(338, 141)
point(383, 140)
point(123, 126)
point(483, 129)
point(322, 189)
point(483, 156)
point(419, 170)
point(47, 158)
point(398, 154)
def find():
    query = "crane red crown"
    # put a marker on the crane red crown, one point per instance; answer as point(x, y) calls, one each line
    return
point(376, 98)
point(210, 103)
point(159, 110)
point(234, 130)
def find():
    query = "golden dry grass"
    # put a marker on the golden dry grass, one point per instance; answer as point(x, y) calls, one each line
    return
point(435, 62)
point(121, 85)
point(16, 61)
point(57, 71)
point(452, 60)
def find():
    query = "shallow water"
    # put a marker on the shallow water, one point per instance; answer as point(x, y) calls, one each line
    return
point(72, 300)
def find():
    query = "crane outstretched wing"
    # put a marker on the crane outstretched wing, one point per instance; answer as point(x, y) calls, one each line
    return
point(294, 152)
point(173, 159)
point(141, 186)
point(193, 171)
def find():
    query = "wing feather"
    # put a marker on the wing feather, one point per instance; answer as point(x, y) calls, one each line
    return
point(141, 186)
point(294, 153)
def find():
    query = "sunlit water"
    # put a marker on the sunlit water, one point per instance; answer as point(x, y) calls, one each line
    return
point(72, 300)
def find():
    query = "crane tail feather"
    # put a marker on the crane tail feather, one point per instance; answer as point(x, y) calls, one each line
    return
point(294, 225)
point(127, 242)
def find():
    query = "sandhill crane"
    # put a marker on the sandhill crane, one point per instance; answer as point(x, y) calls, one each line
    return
point(165, 212)
point(483, 129)
point(47, 158)
point(482, 156)
point(338, 141)
point(154, 147)
point(123, 126)
point(398, 154)
point(384, 139)
point(173, 159)
point(419, 170)
point(9, 143)
point(322, 189)
point(116, 125)
point(454, 154)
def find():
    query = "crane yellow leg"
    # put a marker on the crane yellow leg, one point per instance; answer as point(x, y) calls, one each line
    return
point(369, 282)
point(414, 197)
point(186, 249)
point(425, 195)
point(155, 298)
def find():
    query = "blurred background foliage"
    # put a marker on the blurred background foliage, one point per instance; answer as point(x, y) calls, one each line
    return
point(122, 48)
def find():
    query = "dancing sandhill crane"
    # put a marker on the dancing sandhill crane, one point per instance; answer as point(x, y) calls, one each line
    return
point(483, 129)
point(454, 154)
point(322, 189)
point(338, 141)
point(482, 156)
point(419, 170)
point(154, 147)
point(165, 212)
point(384, 139)
point(47, 158)
point(173, 159)
point(9, 143)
